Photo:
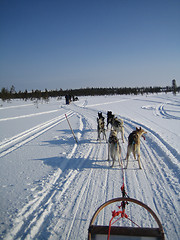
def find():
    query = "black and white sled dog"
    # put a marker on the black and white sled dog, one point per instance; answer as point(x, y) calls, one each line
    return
point(114, 148)
point(118, 126)
point(134, 144)
point(100, 127)
point(110, 117)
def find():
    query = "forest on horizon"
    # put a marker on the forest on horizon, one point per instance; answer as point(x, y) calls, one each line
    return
point(6, 94)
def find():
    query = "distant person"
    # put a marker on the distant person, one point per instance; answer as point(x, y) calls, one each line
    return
point(67, 99)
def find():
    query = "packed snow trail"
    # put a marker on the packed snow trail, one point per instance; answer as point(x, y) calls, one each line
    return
point(63, 203)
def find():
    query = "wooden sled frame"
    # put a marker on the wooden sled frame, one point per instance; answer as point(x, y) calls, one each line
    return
point(154, 233)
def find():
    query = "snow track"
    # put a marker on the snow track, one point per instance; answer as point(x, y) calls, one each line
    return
point(33, 215)
point(63, 203)
point(162, 110)
point(159, 177)
point(28, 116)
point(27, 136)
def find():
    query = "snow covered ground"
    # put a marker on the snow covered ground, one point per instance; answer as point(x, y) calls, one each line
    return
point(50, 186)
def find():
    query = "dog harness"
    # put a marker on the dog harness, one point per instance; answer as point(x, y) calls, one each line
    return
point(133, 137)
point(113, 139)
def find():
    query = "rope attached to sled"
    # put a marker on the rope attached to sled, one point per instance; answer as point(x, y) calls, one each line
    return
point(121, 213)
point(122, 206)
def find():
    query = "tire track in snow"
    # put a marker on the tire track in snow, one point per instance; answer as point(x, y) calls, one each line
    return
point(19, 140)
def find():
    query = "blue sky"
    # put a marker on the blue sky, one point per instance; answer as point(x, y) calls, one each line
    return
point(71, 44)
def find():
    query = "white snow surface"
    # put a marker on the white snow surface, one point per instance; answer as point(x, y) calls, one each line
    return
point(50, 186)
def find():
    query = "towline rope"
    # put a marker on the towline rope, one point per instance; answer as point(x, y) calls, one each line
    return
point(122, 206)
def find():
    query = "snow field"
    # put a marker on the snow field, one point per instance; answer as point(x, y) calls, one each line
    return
point(51, 186)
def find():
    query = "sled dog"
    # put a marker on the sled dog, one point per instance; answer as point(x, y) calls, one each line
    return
point(100, 126)
point(118, 126)
point(134, 144)
point(114, 148)
point(110, 117)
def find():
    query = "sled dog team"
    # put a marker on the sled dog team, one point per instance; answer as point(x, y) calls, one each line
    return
point(114, 148)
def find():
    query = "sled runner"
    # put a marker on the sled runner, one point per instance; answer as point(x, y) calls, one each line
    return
point(98, 232)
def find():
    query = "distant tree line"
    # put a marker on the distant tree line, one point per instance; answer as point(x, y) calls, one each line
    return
point(6, 94)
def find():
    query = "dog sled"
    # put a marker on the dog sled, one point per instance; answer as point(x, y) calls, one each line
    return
point(100, 232)
point(113, 229)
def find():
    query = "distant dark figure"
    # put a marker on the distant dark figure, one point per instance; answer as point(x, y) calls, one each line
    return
point(75, 98)
point(67, 99)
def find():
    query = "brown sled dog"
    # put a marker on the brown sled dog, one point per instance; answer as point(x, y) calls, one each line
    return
point(134, 144)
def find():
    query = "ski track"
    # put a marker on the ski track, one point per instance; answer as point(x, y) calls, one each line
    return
point(19, 106)
point(27, 136)
point(64, 197)
point(33, 215)
point(29, 131)
point(28, 115)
